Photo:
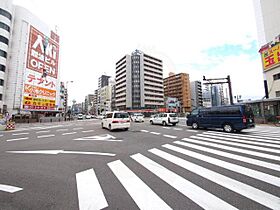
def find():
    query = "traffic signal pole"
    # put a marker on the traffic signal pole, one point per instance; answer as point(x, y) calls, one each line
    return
point(221, 81)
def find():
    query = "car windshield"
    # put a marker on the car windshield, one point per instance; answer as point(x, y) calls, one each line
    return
point(172, 115)
point(121, 115)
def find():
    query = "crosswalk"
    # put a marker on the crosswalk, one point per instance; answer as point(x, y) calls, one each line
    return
point(247, 166)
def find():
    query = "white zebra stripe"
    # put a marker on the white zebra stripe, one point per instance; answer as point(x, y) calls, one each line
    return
point(201, 197)
point(238, 144)
point(89, 190)
point(252, 161)
point(273, 180)
point(244, 151)
point(143, 195)
point(250, 192)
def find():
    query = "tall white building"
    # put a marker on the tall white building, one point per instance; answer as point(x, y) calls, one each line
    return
point(268, 27)
point(139, 82)
point(29, 62)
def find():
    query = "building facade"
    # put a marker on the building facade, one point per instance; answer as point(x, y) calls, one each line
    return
point(196, 94)
point(29, 55)
point(268, 28)
point(139, 82)
point(178, 86)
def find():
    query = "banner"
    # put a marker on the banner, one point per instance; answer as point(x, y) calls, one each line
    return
point(270, 57)
point(42, 53)
point(41, 84)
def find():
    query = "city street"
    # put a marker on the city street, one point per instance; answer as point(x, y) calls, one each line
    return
point(79, 165)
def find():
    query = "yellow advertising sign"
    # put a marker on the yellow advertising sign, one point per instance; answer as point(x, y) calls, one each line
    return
point(271, 57)
point(38, 103)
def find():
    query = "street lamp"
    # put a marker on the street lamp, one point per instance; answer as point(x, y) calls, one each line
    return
point(66, 99)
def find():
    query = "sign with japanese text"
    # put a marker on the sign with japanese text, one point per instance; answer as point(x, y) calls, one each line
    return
point(270, 57)
point(41, 83)
point(42, 53)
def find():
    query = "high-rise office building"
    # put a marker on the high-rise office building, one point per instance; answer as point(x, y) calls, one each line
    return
point(268, 27)
point(196, 94)
point(139, 82)
point(178, 86)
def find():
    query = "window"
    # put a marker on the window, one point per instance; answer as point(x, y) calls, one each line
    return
point(1, 82)
point(3, 54)
point(4, 40)
point(2, 68)
point(276, 76)
point(109, 115)
point(4, 26)
point(277, 93)
point(1, 96)
point(121, 115)
point(6, 14)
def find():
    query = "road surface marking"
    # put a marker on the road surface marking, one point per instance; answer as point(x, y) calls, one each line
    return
point(77, 129)
point(252, 161)
point(68, 133)
point(235, 134)
point(9, 188)
point(144, 196)
point(43, 131)
point(90, 193)
point(244, 151)
point(87, 131)
point(251, 141)
point(18, 139)
point(189, 130)
point(256, 138)
point(238, 144)
point(273, 180)
point(46, 136)
point(55, 152)
point(190, 190)
point(65, 129)
point(1, 135)
point(169, 136)
point(248, 191)
point(155, 133)
point(144, 131)
point(104, 137)
point(178, 129)
point(166, 128)
point(17, 134)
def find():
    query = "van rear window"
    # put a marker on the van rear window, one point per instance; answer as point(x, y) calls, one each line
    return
point(121, 115)
point(248, 112)
point(172, 115)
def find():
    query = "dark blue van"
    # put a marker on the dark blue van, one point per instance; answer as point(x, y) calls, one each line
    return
point(229, 118)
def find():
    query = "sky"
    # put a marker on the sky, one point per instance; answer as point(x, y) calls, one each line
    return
point(212, 38)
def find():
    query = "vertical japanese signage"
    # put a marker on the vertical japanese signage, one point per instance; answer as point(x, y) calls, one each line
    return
point(41, 85)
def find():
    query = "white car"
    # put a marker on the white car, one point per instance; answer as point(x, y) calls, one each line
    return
point(165, 119)
point(88, 116)
point(116, 120)
point(137, 117)
point(80, 117)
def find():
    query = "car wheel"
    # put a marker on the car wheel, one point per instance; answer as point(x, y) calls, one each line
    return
point(164, 123)
point(102, 126)
point(126, 129)
point(227, 128)
point(110, 127)
point(195, 125)
point(174, 124)
point(151, 122)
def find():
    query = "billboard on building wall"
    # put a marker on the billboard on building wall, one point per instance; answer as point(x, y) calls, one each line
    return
point(41, 85)
point(270, 54)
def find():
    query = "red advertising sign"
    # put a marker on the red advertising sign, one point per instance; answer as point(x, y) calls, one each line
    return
point(43, 53)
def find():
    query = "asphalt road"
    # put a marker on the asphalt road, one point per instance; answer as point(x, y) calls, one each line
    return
point(78, 165)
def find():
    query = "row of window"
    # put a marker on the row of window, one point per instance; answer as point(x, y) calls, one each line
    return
point(1, 96)
point(153, 96)
point(6, 14)
point(151, 62)
point(152, 76)
point(2, 68)
point(121, 60)
point(148, 56)
point(153, 81)
point(120, 71)
point(153, 86)
point(1, 82)
point(4, 40)
point(5, 26)
point(276, 76)
point(153, 91)
point(3, 54)
point(120, 64)
point(154, 72)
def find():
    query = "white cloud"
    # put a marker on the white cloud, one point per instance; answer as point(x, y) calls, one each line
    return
point(95, 34)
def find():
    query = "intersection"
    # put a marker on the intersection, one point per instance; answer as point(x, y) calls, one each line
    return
point(79, 165)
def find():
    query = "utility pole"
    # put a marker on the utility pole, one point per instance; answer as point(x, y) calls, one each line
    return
point(220, 81)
